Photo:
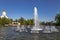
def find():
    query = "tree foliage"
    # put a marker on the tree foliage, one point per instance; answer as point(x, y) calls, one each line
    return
point(4, 21)
point(57, 19)
point(26, 22)
point(30, 22)
point(22, 21)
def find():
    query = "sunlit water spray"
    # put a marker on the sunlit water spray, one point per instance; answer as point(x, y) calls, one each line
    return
point(50, 29)
point(36, 27)
point(18, 27)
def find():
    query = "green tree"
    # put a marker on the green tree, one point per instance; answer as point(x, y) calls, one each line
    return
point(43, 23)
point(22, 21)
point(4, 21)
point(30, 22)
point(11, 20)
point(16, 20)
point(57, 19)
point(26, 22)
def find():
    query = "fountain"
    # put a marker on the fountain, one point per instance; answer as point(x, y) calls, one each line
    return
point(53, 29)
point(36, 28)
point(18, 27)
point(23, 28)
point(47, 29)
point(50, 29)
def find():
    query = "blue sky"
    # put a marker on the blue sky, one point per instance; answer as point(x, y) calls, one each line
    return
point(47, 9)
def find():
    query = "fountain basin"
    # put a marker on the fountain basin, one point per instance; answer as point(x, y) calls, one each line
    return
point(36, 30)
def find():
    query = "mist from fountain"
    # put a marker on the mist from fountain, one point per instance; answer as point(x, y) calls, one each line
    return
point(18, 26)
point(50, 29)
point(54, 29)
point(36, 28)
point(21, 28)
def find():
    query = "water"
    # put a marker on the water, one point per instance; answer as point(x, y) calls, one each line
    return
point(50, 29)
point(36, 28)
point(9, 33)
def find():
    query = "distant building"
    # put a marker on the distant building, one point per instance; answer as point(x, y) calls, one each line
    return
point(14, 23)
point(4, 14)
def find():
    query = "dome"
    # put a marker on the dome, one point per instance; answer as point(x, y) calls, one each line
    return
point(4, 13)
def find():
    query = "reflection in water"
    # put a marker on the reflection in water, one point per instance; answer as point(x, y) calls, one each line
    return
point(8, 33)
